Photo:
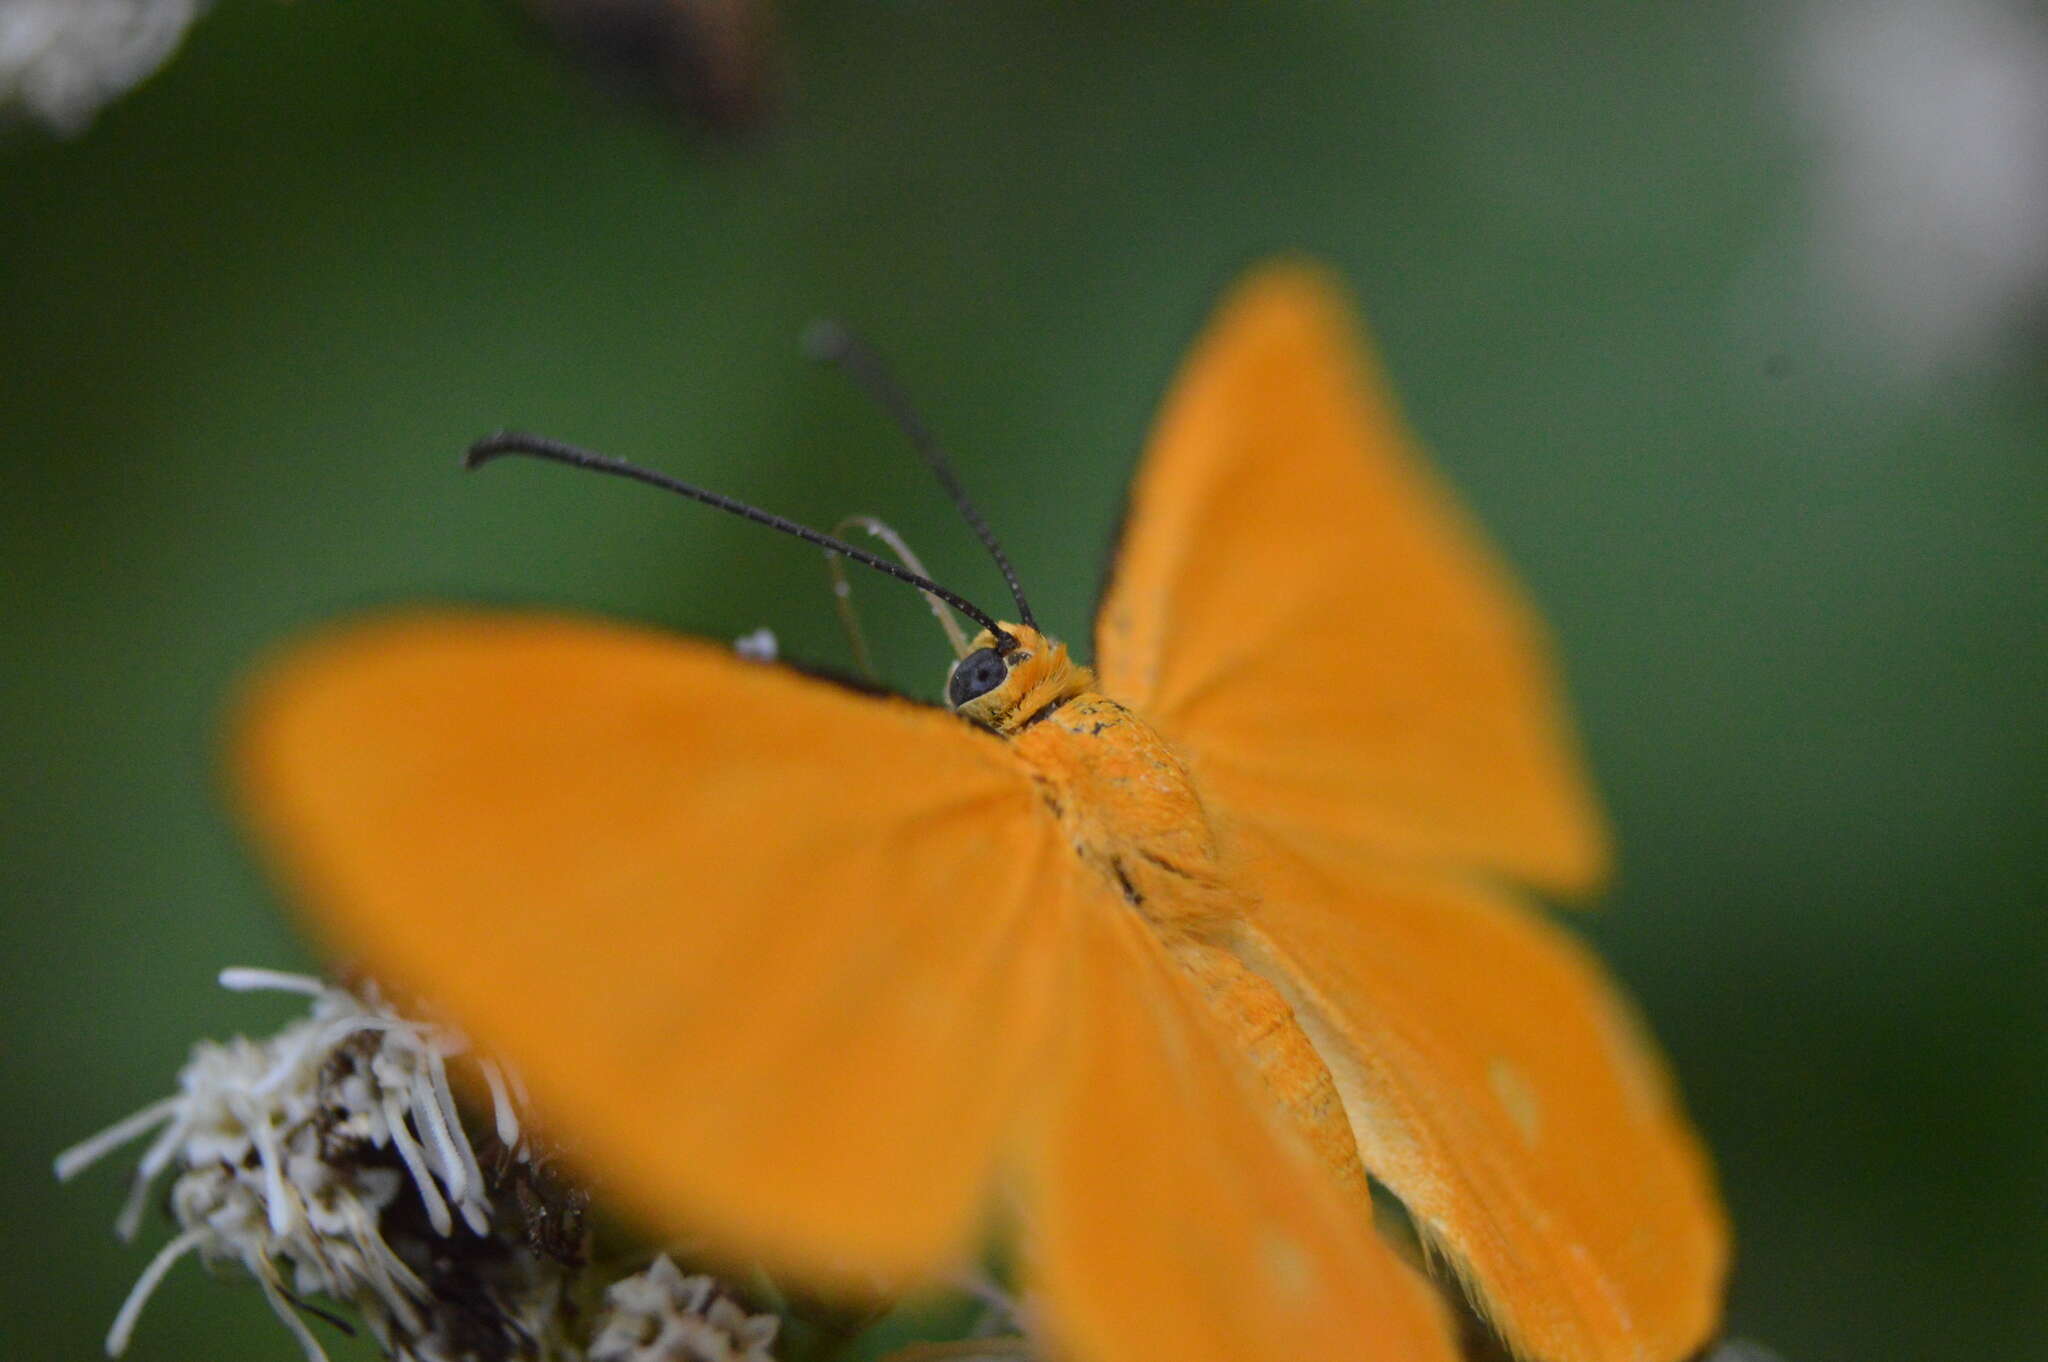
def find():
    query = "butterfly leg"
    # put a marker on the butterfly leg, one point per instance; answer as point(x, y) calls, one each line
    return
point(842, 592)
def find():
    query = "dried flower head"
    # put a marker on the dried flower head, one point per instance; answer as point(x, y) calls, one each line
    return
point(330, 1160)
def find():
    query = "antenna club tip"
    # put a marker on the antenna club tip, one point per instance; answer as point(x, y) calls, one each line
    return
point(826, 341)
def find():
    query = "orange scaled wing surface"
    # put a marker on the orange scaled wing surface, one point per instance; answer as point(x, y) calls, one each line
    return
point(1366, 704)
point(1164, 1215)
point(765, 948)
point(1299, 606)
point(1498, 1087)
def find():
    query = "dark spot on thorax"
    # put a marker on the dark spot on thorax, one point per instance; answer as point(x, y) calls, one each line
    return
point(1131, 894)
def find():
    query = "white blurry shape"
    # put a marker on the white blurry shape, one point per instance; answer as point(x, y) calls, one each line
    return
point(759, 646)
point(1739, 1350)
point(62, 61)
point(1928, 219)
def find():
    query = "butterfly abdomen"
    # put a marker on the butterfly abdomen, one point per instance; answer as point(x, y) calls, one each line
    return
point(1266, 1034)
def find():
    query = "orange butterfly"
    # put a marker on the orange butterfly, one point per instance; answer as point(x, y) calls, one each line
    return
point(1162, 958)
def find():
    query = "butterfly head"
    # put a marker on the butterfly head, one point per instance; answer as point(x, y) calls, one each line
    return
point(1011, 675)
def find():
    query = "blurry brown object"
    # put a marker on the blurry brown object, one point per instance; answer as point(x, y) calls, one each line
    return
point(710, 62)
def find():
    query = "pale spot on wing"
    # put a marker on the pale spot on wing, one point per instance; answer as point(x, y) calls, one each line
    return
point(1517, 1097)
point(1286, 1265)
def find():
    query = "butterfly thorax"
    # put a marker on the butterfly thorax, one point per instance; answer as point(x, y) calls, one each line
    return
point(1120, 793)
point(1126, 804)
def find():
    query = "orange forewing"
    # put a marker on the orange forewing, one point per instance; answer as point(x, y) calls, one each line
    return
point(1299, 606)
point(767, 949)
point(1164, 1219)
point(800, 971)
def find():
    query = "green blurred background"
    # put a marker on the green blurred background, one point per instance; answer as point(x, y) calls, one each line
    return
point(1793, 546)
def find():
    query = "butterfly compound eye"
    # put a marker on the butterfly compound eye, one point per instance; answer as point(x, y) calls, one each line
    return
point(980, 672)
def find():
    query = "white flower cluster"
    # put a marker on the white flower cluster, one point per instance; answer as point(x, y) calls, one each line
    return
point(330, 1160)
point(61, 61)
point(662, 1316)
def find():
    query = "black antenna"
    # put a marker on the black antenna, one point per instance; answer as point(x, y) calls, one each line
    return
point(829, 342)
point(540, 447)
